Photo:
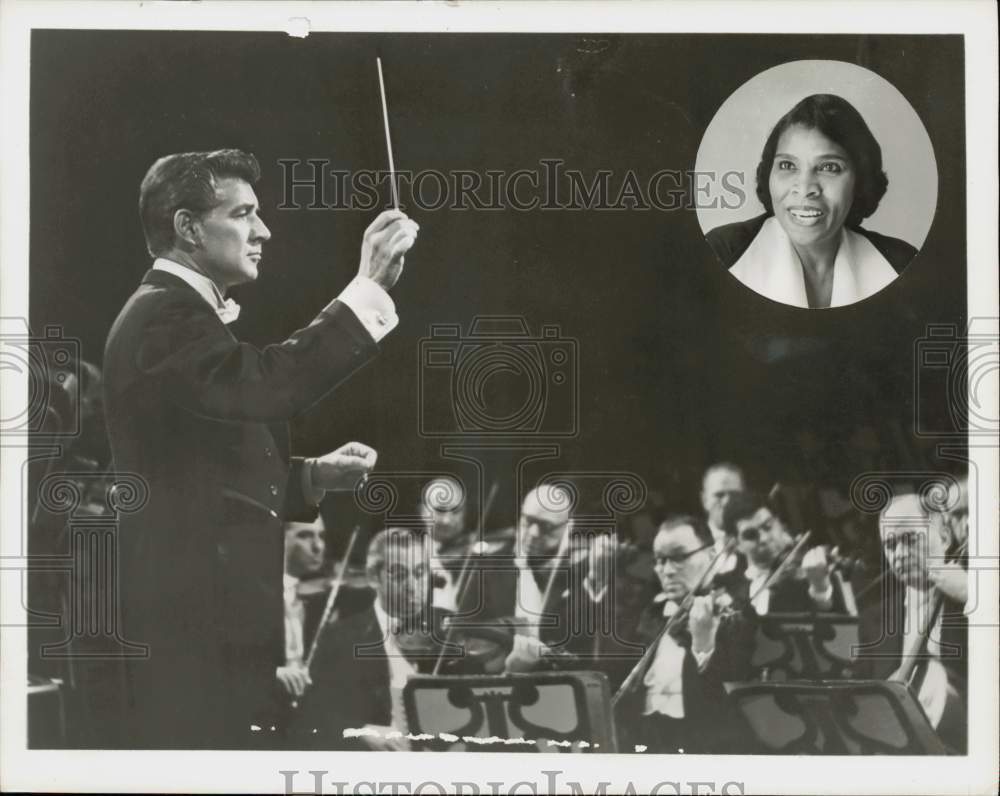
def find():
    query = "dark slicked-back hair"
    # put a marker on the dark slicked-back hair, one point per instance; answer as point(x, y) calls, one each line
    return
point(700, 526)
point(187, 180)
point(839, 121)
point(743, 505)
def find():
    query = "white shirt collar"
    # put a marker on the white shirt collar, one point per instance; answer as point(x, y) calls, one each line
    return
point(289, 581)
point(227, 309)
point(771, 267)
point(384, 620)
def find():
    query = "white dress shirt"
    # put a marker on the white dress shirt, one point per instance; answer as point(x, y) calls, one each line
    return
point(400, 669)
point(770, 267)
point(933, 694)
point(664, 679)
point(530, 600)
point(369, 302)
point(294, 621)
point(445, 596)
point(727, 562)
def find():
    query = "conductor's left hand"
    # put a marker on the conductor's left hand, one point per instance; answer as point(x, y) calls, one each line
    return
point(343, 469)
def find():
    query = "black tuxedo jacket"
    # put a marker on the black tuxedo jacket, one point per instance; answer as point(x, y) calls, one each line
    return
point(711, 725)
point(491, 592)
point(202, 419)
point(350, 674)
point(789, 596)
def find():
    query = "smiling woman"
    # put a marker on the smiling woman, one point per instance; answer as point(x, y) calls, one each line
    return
point(820, 175)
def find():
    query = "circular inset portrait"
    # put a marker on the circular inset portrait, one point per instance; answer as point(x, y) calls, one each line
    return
point(817, 183)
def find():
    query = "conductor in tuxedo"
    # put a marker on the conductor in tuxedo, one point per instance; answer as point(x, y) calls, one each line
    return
point(202, 417)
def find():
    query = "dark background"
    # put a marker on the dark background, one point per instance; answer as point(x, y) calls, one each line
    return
point(679, 364)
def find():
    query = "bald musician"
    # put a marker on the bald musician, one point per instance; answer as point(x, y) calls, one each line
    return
point(525, 577)
point(678, 703)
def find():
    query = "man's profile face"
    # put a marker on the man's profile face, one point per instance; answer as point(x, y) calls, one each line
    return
point(231, 235)
point(680, 559)
point(304, 549)
point(544, 521)
point(762, 537)
point(716, 490)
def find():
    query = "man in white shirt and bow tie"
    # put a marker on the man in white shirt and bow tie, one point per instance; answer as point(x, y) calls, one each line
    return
point(678, 703)
point(202, 418)
point(305, 545)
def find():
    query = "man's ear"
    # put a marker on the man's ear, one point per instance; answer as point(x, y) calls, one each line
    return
point(187, 228)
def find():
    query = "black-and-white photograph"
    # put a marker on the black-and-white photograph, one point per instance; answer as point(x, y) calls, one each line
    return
point(819, 173)
point(456, 392)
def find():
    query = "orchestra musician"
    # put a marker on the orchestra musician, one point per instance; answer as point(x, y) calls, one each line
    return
point(924, 636)
point(363, 659)
point(719, 484)
point(202, 418)
point(522, 578)
point(443, 509)
point(305, 545)
point(599, 610)
point(675, 701)
point(359, 669)
point(764, 541)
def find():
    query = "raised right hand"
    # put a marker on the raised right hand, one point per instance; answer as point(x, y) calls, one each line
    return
point(388, 238)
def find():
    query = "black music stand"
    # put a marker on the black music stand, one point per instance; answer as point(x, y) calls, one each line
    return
point(805, 646)
point(839, 717)
point(543, 712)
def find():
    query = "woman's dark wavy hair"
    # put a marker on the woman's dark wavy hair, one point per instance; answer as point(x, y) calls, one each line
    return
point(839, 121)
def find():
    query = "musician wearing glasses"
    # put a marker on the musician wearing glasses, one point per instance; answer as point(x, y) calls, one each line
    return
point(771, 583)
point(675, 701)
point(525, 579)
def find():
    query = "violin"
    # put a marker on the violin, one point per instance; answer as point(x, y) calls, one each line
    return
point(447, 649)
point(677, 621)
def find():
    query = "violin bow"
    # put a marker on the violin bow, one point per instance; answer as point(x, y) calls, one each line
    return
point(462, 582)
point(683, 609)
point(332, 598)
point(783, 566)
point(560, 554)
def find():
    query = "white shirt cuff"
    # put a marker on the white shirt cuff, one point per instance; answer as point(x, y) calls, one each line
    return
point(312, 494)
point(825, 597)
point(372, 306)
